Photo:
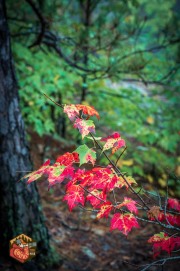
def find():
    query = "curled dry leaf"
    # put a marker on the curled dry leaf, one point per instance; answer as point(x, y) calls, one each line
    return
point(153, 212)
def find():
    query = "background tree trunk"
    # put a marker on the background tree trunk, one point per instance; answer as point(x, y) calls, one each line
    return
point(20, 209)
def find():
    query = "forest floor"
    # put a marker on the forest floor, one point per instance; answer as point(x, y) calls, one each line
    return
point(85, 243)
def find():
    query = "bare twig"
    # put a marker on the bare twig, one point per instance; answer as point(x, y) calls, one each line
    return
point(121, 155)
point(160, 262)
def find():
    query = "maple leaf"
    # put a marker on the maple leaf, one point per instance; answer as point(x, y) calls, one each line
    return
point(105, 209)
point(174, 204)
point(68, 159)
point(85, 178)
point(172, 219)
point(110, 183)
point(88, 110)
point(113, 142)
point(84, 126)
point(104, 179)
point(33, 176)
point(121, 182)
point(130, 204)
point(165, 218)
point(123, 222)
point(161, 241)
point(74, 196)
point(153, 212)
point(76, 177)
point(178, 220)
point(71, 111)
point(86, 154)
point(93, 197)
point(58, 173)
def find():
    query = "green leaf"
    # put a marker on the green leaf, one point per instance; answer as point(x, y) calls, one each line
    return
point(86, 154)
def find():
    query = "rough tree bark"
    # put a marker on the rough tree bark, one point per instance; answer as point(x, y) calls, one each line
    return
point(20, 209)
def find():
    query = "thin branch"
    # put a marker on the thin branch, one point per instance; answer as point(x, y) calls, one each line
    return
point(150, 50)
point(89, 192)
point(53, 101)
point(161, 262)
point(67, 59)
point(120, 155)
point(42, 20)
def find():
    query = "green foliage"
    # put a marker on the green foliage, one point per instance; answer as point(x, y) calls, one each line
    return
point(116, 42)
point(38, 74)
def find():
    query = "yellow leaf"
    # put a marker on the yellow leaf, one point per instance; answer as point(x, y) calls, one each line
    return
point(56, 78)
point(30, 68)
point(177, 170)
point(150, 120)
point(31, 103)
point(127, 163)
point(162, 182)
point(150, 178)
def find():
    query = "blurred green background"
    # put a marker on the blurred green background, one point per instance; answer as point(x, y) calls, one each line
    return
point(122, 57)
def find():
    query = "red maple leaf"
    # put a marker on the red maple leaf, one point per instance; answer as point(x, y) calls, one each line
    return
point(86, 178)
point(113, 142)
point(72, 111)
point(165, 218)
point(95, 197)
point(105, 209)
point(174, 204)
point(33, 176)
point(162, 241)
point(58, 173)
point(68, 158)
point(74, 196)
point(84, 126)
point(75, 180)
point(123, 222)
point(172, 219)
point(130, 204)
point(104, 179)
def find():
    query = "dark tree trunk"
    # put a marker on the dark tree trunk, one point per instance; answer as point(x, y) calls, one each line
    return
point(20, 209)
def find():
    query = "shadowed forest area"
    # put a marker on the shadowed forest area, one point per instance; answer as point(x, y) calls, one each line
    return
point(89, 106)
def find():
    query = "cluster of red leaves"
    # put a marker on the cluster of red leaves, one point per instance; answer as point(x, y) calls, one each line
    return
point(162, 241)
point(91, 186)
point(94, 186)
point(174, 204)
point(166, 217)
point(62, 169)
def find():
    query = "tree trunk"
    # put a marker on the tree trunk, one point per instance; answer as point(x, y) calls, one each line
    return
point(20, 209)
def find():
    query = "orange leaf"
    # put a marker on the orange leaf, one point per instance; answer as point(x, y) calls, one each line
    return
point(88, 110)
